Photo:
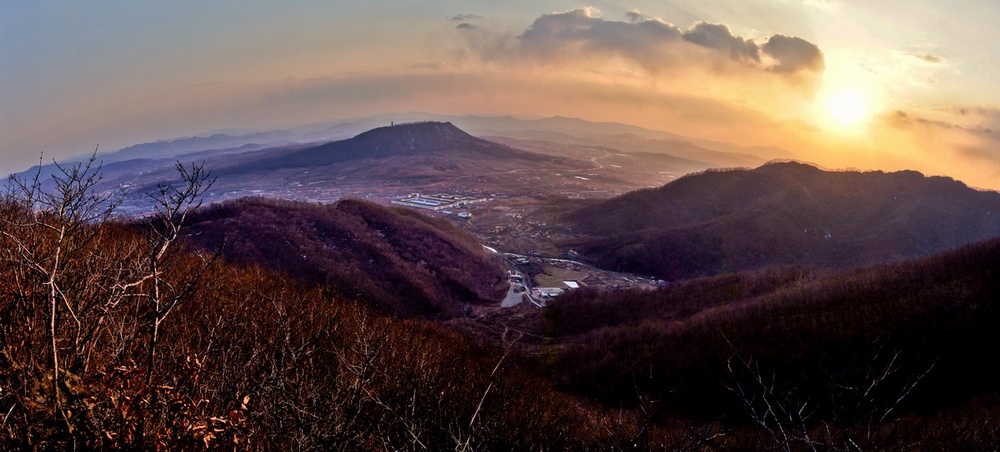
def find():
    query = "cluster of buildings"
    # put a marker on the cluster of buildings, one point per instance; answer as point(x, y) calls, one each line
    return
point(439, 201)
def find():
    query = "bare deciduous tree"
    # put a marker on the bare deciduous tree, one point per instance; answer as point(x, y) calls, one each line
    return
point(857, 405)
point(172, 205)
point(58, 239)
point(58, 224)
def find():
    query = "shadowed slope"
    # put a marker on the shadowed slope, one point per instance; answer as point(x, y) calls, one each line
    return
point(819, 335)
point(783, 213)
point(400, 261)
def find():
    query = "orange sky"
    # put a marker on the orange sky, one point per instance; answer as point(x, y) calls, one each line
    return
point(842, 84)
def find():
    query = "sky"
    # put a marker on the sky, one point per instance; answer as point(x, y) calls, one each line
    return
point(845, 84)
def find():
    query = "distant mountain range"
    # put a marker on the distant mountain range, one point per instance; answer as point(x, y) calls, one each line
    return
point(565, 130)
point(782, 214)
point(236, 141)
point(274, 163)
point(555, 129)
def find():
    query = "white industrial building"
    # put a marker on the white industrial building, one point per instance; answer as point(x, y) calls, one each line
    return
point(439, 201)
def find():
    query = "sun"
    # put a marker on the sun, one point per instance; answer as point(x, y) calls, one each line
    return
point(848, 108)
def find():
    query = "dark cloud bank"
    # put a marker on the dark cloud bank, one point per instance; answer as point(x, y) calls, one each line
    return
point(651, 43)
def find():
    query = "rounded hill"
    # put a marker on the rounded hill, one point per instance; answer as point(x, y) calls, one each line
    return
point(411, 139)
point(783, 213)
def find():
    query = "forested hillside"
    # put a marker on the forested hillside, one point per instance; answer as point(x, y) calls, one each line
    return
point(398, 260)
point(837, 358)
point(782, 214)
point(120, 335)
point(126, 334)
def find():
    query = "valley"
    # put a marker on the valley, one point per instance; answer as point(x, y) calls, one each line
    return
point(508, 164)
point(589, 192)
point(679, 226)
point(652, 292)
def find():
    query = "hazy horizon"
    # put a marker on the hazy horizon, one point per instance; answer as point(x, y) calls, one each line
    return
point(841, 84)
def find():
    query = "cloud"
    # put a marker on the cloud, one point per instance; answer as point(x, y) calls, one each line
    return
point(634, 16)
point(507, 93)
point(793, 54)
point(989, 118)
point(582, 32)
point(465, 17)
point(986, 116)
point(718, 37)
point(927, 58)
point(465, 21)
point(584, 35)
point(964, 144)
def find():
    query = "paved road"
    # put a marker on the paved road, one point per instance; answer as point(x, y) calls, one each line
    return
point(512, 298)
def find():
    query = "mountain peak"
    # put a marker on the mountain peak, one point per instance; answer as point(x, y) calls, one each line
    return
point(416, 136)
point(440, 126)
point(788, 165)
point(408, 139)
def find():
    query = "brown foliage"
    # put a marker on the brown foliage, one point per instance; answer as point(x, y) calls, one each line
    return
point(782, 214)
point(400, 261)
point(917, 334)
point(251, 361)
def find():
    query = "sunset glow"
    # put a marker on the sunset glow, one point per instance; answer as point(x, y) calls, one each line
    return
point(797, 75)
point(499, 225)
point(848, 108)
